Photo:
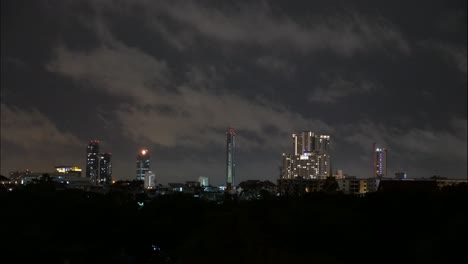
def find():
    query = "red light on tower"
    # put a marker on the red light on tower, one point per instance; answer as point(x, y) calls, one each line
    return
point(231, 131)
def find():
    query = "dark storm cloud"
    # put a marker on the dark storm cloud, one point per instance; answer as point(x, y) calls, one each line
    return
point(454, 55)
point(254, 24)
point(31, 129)
point(275, 65)
point(110, 69)
point(172, 76)
point(413, 145)
point(32, 138)
point(338, 88)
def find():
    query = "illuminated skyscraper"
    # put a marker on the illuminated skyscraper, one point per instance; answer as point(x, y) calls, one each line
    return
point(142, 164)
point(150, 180)
point(308, 141)
point(323, 155)
point(310, 158)
point(230, 161)
point(92, 161)
point(105, 168)
point(203, 181)
point(379, 164)
point(303, 142)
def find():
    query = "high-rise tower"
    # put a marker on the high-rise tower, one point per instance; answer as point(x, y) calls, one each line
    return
point(379, 164)
point(310, 158)
point(105, 168)
point(92, 161)
point(142, 164)
point(303, 142)
point(230, 161)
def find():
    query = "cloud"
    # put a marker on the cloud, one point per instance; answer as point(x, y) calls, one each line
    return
point(453, 54)
point(457, 55)
point(184, 24)
point(344, 34)
point(413, 143)
point(32, 129)
point(126, 72)
point(275, 65)
point(208, 114)
point(338, 88)
point(29, 139)
point(174, 114)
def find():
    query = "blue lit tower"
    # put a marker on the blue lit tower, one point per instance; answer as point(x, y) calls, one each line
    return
point(230, 161)
point(142, 164)
point(92, 161)
point(105, 168)
point(379, 166)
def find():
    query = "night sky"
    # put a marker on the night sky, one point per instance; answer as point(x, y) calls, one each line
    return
point(172, 76)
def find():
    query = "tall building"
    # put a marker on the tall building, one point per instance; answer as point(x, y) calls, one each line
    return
point(203, 181)
point(310, 158)
point(303, 142)
point(105, 168)
point(379, 163)
point(230, 161)
point(150, 180)
point(142, 164)
point(92, 161)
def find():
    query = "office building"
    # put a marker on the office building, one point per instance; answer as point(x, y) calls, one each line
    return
point(303, 142)
point(105, 168)
point(310, 158)
point(338, 174)
point(92, 161)
point(379, 161)
point(142, 164)
point(203, 181)
point(308, 141)
point(400, 175)
point(230, 161)
point(150, 180)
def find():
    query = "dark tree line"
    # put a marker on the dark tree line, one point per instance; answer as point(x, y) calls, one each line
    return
point(42, 224)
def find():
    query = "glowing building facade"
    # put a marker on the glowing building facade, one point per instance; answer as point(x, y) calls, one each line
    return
point(150, 180)
point(310, 158)
point(230, 161)
point(142, 164)
point(105, 168)
point(203, 181)
point(379, 164)
point(92, 161)
point(68, 169)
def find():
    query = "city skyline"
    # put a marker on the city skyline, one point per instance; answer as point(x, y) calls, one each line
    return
point(173, 77)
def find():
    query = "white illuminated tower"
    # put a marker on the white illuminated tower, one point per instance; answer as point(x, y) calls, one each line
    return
point(379, 164)
point(230, 161)
point(204, 181)
point(105, 168)
point(303, 142)
point(150, 180)
point(142, 164)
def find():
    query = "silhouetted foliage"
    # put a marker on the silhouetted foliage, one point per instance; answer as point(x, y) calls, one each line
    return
point(330, 185)
point(83, 227)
